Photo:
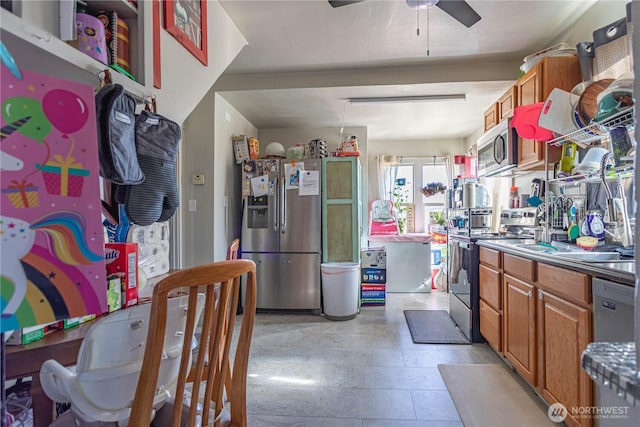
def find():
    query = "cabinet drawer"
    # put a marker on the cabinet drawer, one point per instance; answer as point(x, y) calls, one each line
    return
point(519, 267)
point(490, 285)
point(490, 257)
point(567, 283)
point(491, 326)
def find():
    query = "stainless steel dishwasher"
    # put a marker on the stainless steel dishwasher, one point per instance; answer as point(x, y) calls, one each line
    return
point(613, 321)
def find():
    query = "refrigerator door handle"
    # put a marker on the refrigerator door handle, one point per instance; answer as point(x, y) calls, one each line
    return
point(283, 205)
point(275, 217)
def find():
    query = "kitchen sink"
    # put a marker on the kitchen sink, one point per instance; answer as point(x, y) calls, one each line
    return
point(564, 250)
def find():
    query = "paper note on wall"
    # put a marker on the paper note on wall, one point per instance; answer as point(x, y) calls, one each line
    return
point(259, 185)
point(309, 183)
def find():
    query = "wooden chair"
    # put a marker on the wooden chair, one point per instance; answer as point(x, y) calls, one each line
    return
point(232, 253)
point(232, 250)
point(220, 281)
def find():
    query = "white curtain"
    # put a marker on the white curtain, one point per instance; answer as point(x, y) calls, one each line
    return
point(387, 173)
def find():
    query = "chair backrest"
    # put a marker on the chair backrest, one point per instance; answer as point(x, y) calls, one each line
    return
point(232, 250)
point(112, 352)
point(382, 210)
point(220, 282)
point(382, 218)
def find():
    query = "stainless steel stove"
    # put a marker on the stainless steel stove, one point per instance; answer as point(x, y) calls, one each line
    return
point(466, 228)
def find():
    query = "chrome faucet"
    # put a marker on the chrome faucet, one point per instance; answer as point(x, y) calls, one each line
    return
point(617, 205)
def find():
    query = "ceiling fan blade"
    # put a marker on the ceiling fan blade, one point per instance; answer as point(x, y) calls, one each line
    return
point(459, 10)
point(338, 3)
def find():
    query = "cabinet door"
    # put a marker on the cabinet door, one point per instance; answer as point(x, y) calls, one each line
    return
point(520, 327)
point(507, 103)
point(491, 326)
point(564, 330)
point(341, 209)
point(529, 89)
point(491, 117)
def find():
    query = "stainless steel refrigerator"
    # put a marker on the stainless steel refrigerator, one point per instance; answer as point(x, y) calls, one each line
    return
point(281, 231)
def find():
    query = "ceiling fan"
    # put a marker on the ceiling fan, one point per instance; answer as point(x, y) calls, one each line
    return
point(457, 9)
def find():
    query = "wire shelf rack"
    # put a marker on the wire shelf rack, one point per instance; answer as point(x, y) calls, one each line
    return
point(596, 131)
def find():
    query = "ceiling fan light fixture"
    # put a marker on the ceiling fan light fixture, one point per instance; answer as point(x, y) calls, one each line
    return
point(412, 98)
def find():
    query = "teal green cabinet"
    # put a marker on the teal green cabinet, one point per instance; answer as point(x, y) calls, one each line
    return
point(341, 212)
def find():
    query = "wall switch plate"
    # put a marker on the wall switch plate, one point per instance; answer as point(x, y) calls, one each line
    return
point(192, 205)
point(198, 179)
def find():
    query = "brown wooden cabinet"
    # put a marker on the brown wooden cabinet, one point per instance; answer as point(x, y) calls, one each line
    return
point(491, 117)
point(507, 102)
point(535, 86)
point(520, 327)
point(564, 330)
point(547, 323)
point(491, 297)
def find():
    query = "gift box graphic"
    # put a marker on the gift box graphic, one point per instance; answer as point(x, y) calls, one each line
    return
point(64, 177)
point(22, 194)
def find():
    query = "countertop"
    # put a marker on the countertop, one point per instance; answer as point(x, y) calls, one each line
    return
point(620, 271)
point(613, 365)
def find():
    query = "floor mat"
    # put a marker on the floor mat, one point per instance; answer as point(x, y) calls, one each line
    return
point(433, 327)
point(492, 395)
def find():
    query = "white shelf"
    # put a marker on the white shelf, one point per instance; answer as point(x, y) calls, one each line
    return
point(125, 9)
point(37, 50)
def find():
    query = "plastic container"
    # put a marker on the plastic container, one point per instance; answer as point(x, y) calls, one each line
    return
point(340, 289)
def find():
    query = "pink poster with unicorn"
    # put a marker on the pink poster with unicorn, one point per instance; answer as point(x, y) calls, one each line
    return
point(51, 238)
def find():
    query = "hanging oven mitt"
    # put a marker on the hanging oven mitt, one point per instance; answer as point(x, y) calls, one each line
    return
point(115, 113)
point(156, 199)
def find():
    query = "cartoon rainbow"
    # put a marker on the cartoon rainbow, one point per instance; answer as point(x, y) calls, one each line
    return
point(63, 288)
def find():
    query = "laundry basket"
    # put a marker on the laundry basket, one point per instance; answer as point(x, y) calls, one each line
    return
point(340, 290)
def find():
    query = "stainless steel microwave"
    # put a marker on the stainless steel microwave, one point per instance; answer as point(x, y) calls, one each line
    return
point(498, 150)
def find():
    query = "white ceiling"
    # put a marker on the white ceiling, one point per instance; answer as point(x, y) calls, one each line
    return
point(304, 59)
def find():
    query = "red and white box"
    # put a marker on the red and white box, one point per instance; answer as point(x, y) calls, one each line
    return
point(122, 261)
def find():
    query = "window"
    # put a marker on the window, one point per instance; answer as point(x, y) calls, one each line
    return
point(406, 181)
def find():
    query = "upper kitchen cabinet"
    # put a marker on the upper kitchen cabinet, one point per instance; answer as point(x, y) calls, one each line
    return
point(535, 86)
point(507, 103)
point(491, 117)
point(502, 109)
point(31, 33)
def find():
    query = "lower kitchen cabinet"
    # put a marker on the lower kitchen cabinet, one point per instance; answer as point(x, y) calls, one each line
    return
point(545, 315)
point(520, 327)
point(491, 303)
point(564, 330)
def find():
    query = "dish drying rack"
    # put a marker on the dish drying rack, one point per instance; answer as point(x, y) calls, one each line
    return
point(596, 131)
point(558, 217)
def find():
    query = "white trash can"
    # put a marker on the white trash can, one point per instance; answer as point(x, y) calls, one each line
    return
point(340, 289)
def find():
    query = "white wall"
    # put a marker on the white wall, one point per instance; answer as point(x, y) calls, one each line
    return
point(207, 150)
point(185, 80)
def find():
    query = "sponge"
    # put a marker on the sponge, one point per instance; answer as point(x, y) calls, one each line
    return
point(587, 242)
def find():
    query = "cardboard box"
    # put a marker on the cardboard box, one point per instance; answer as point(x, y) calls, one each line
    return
point(373, 258)
point(374, 275)
point(114, 293)
point(122, 262)
point(32, 333)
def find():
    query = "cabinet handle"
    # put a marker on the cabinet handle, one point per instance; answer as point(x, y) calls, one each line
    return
point(529, 294)
point(540, 295)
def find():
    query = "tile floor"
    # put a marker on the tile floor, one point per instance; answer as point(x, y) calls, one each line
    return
point(305, 370)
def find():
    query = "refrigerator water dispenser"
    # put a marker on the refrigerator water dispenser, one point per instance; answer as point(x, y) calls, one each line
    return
point(258, 212)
